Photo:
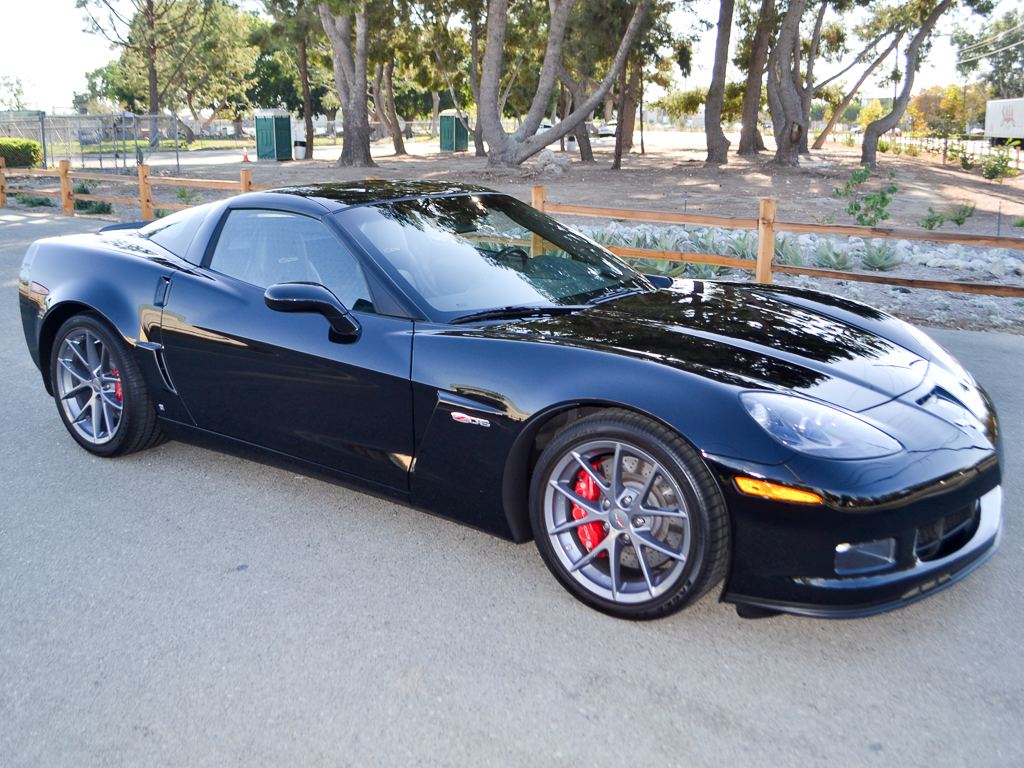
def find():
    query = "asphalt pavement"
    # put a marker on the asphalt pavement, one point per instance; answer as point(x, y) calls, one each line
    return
point(180, 607)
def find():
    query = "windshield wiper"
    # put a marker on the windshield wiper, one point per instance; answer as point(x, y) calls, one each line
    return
point(515, 313)
point(618, 293)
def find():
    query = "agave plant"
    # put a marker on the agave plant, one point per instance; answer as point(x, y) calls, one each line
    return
point(830, 258)
point(880, 258)
point(744, 245)
point(704, 242)
point(787, 252)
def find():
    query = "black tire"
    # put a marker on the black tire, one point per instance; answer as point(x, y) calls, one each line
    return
point(667, 501)
point(99, 390)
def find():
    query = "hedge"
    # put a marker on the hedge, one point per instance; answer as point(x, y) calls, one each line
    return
point(21, 153)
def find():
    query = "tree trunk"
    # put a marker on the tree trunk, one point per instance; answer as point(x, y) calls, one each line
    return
point(628, 111)
point(512, 149)
point(578, 94)
point(436, 97)
point(620, 124)
point(874, 130)
point(474, 85)
point(389, 93)
point(237, 127)
point(307, 99)
point(718, 145)
point(350, 80)
point(332, 115)
point(751, 141)
point(154, 90)
point(381, 130)
point(782, 85)
point(838, 113)
point(806, 89)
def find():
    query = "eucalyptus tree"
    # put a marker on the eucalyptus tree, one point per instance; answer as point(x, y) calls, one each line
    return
point(718, 144)
point(297, 22)
point(513, 148)
point(145, 30)
point(999, 45)
point(346, 23)
point(918, 18)
point(752, 56)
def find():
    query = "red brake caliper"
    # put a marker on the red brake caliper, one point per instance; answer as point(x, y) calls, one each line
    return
point(590, 534)
point(117, 387)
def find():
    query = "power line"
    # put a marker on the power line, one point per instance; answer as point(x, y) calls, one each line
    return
point(991, 53)
point(992, 39)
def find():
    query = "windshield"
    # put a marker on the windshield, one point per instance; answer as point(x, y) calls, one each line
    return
point(467, 254)
point(175, 232)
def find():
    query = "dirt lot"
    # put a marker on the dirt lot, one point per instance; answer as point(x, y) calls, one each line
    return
point(671, 176)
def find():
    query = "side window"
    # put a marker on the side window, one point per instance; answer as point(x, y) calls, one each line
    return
point(265, 247)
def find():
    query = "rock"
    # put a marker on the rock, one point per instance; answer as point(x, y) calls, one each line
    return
point(936, 262)
point(1020, 268)
point(807, 241)
point(976, 264)
point(997, 268)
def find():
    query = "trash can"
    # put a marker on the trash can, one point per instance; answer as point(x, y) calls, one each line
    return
point(454, 136)
point(273, 134)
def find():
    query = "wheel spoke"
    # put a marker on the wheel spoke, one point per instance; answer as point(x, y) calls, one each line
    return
point(70, 369)
point(659, 512)
point(589, 557)
point(600, 481)
point(97, 420)
point(74, 391)
point(615, 564)
point(85, 408)
point(652, 543)
point(110, 399)
point(616, 482)
point(92, 354)
point(655, 474)
point(643, 565)
point(571, 525)
point(592, 508)
point(73, 346)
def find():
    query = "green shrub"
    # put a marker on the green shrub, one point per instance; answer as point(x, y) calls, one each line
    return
point(21, 153)
point(190, 197)
point(913, 151)
point(34, 201)
point(962, 213)
point(848, 141)
point(867, 209)
point(996, 166)
point(883, 145)
point(1019, 221)
point(90, 206)
point(881, 258)
point(933, 220)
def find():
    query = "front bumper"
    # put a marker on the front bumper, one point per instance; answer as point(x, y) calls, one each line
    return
point(852, 597)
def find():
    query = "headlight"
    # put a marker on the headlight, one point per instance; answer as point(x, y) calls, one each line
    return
point(816, 429)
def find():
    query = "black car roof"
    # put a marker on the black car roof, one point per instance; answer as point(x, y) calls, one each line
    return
point(345, 194)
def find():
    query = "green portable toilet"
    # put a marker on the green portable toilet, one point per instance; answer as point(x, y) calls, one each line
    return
point(273, 134)
point(454, 136)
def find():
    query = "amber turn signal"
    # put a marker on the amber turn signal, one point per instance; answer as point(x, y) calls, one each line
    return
point(778, 492)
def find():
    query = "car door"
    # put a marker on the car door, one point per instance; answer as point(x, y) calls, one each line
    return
point(277, 379)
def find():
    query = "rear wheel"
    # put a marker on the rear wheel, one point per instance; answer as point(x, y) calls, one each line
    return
point(627, 517)
point(99, 390)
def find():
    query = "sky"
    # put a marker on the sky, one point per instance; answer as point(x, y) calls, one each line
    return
point(53, 61)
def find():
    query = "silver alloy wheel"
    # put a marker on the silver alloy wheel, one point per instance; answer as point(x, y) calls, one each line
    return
point(647, 530)
point(89, 386)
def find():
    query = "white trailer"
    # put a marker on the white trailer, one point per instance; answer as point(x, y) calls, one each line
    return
point(1004, 119)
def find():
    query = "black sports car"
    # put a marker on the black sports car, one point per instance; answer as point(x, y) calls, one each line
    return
point(456, 350)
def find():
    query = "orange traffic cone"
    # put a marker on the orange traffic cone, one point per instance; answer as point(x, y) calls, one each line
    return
point(245, 154)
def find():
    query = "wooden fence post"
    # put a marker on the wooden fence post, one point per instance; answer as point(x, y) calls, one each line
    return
point(145, 193)
point(67, 197)
point(3, 182)
point(536, 241)
point(765, 241)
point(246, 180)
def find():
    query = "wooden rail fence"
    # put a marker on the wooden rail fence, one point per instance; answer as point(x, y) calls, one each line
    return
point(766, 225)
point(66, 191)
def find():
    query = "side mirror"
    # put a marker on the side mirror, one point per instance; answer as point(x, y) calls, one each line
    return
point(309, 297)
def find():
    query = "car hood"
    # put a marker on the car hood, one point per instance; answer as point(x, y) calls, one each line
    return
point(747, 338)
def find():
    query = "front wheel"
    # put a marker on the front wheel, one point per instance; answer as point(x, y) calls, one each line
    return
point(627, 517)
point(99, 390)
